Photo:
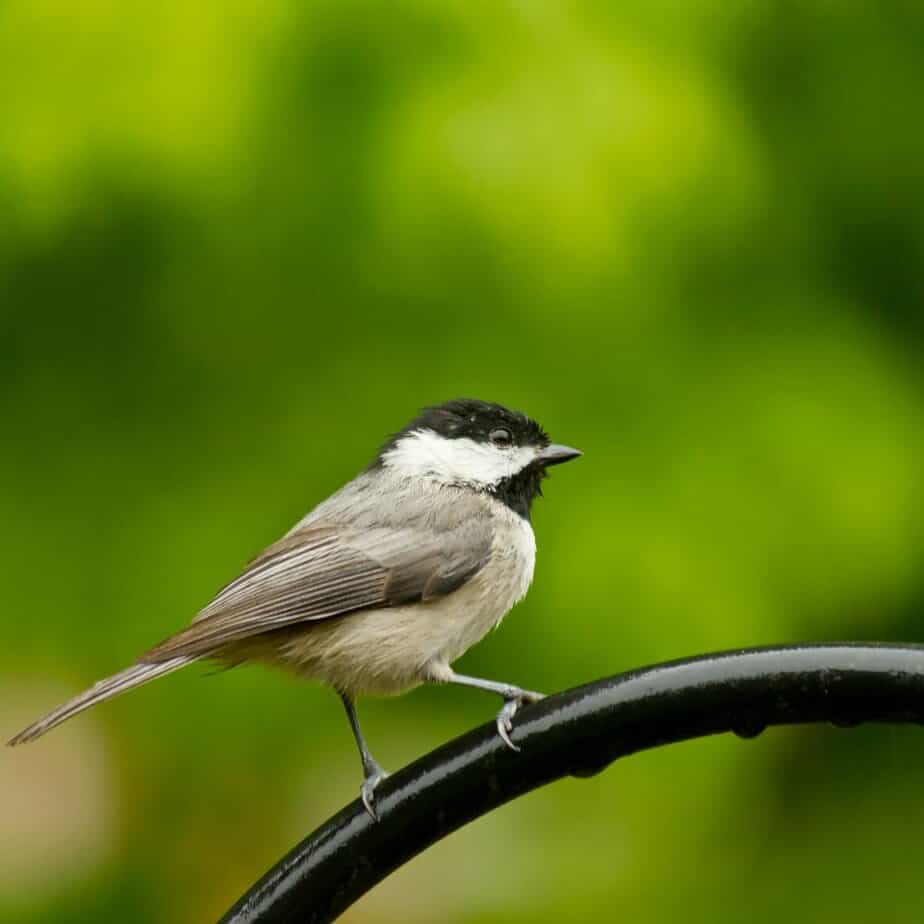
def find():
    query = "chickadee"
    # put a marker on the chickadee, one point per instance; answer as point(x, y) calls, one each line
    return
point(384, 584)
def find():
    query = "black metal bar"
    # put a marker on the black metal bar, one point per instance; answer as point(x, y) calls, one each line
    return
point(580, 732)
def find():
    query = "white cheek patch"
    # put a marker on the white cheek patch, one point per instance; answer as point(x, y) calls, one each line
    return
point(461, 461)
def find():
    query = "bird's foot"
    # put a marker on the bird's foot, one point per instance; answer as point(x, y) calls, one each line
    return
point(512, 703)
point(374, 775)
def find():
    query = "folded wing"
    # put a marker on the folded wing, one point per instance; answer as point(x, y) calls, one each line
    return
point(320, 571)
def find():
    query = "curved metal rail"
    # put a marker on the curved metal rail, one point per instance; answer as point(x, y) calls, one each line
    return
point(579, 733)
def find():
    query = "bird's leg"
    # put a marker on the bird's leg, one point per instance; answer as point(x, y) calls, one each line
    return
point(513, 696)
point(373, 774)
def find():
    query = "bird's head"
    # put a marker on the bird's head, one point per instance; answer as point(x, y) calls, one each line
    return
point(477, 445)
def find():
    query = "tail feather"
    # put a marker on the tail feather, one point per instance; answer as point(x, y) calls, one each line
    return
point(112, 686)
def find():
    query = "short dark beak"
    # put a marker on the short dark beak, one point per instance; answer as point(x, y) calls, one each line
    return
point(555, 454)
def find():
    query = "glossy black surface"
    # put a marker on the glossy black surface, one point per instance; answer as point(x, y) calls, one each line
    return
point(580, 732)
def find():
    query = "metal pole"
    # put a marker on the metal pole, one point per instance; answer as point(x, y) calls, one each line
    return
point(579, 733)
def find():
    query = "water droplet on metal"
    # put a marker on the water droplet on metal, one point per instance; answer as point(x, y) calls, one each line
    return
point(748, 726)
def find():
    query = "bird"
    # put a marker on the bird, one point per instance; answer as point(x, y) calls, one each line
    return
point(384, 584)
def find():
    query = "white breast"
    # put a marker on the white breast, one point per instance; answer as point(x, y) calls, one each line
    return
point(514, 550)
point(449, 627)
point(392, 649)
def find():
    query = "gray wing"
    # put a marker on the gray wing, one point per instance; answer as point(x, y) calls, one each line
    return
point(322, 570)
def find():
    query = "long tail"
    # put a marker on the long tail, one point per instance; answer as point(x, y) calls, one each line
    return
point(112, 686)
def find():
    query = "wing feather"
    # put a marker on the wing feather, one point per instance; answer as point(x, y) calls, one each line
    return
point(319, 571)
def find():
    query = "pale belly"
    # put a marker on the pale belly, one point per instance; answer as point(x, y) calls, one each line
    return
point(390, 650)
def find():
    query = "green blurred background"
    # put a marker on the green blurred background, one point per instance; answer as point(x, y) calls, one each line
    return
point(242, 241)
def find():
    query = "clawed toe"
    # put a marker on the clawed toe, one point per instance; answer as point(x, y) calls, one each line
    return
point(374, 776)
point(509, 710)
point(505, 722)
point(513, 697)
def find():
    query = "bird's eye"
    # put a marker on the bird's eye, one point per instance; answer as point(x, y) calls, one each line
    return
point(501, 437)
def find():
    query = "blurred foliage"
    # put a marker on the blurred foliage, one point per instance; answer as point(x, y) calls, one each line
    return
point(242, 241)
